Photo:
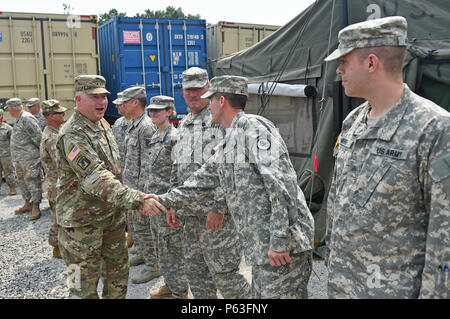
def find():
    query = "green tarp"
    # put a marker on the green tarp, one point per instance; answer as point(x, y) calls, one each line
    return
point(295, 53)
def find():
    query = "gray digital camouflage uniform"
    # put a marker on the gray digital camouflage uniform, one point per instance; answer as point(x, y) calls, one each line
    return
point(136, 159)
point(389, 204)
point(119, 130)
point(263, 197)
point(170, 240)
point(41, 120)
point(25, 155)
point(389, 201)
point(212, 258)
point(6, 167)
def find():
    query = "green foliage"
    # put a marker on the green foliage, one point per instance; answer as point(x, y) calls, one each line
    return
point(169, 13)
point(105, 17)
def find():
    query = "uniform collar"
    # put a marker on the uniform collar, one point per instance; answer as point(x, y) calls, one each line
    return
point(388, 125)
point(200, 117)
point(95, 127)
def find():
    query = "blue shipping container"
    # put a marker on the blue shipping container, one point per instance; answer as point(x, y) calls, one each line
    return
point(151, 53)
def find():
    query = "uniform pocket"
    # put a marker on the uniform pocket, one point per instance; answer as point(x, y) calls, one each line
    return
point(363, 196)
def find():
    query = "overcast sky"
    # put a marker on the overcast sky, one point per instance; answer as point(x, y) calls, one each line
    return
point(245, 11)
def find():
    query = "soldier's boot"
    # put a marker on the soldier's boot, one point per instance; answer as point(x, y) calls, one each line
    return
point(184, 297)
point(35, 212)
point(12, 189)
point(145, 276)
point(25, 208)
point(161, 293)
point(133, 250)
point(56, 252)
point(136, 260)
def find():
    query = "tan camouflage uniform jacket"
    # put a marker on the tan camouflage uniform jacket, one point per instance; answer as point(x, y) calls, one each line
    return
point(389, 203)
point(48, 159)
point(89, 174)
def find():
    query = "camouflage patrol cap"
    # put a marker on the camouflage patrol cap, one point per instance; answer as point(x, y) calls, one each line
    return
point(14, 102)
point(161, 102)
point(50, 106)
point(194, 78)
point(119, 101)
point(227, 84)
point(135, 92)
point(90, 84)
point(1, 112)
point(390, 31)
point(32, 101)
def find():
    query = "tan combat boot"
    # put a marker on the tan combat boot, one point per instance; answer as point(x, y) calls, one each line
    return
point(161, 293)
point(36, 212)
point(25, 208)
point(130, 240)
point(12, 189)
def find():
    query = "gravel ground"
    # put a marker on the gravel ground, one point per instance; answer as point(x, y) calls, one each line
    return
point(28, 271)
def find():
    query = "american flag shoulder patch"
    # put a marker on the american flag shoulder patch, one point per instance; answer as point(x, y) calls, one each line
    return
point(74, 153)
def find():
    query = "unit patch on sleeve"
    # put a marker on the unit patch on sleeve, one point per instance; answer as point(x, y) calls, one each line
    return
point(83, 162)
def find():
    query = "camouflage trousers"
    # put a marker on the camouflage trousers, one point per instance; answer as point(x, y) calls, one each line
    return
point(143, 237)
point(29, 180)
point(289, 281)
point(84, 249)
point(53, 232)
point(171, 256)
point(7, 170)
point(212, 260)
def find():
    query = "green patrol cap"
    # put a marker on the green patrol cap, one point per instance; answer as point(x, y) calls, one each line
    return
point(90, 84)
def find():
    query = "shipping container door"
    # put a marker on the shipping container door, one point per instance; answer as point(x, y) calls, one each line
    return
point(70, 51)
point(139, 58)
point(21, 58)
point(186, 48)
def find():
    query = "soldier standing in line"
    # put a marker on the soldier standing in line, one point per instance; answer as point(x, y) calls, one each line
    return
point(119, 130)
point(389, 201)
point(170, 240)
point(25, 142)
point(141, 128)
point(92, 201)
point(35, 109)
point(254, 171)
point(6, 167)
point(54, 114)
point(212, 248)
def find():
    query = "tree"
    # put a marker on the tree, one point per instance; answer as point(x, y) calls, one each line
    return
point(67, 8)
point(170, 13)
point(105, 17)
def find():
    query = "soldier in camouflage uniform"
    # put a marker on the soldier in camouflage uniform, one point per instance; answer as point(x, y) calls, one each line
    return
point(34, 107)
point(139, 130)
point(25, 142)
point(120, 127)
point(253, 169)
point(212, 258)
point(119, 130)
point(6, 167)
point(389, 202)
point(170, 240)
point(92, 201)
point(54, 114)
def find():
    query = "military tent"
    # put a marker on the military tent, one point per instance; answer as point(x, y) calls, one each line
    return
point(310, 121)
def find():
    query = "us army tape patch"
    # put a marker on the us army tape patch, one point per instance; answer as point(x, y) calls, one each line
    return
point(390, 152)
point(73, 153)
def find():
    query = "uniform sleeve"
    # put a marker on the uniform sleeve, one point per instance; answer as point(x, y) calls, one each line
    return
point(290, 215)
point(196, 187)
point(34, 131)
point(436, 185)
point(95, 179)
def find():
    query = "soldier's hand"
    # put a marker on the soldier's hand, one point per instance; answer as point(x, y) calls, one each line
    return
point(152, 207)
point(214, 221)
point(172, 219)
point(278, 259)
